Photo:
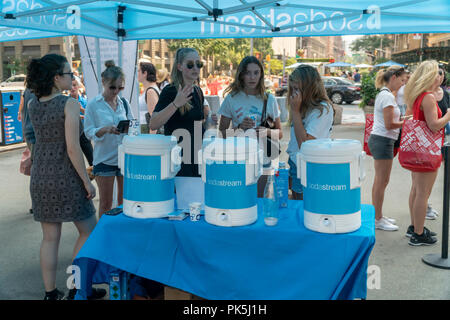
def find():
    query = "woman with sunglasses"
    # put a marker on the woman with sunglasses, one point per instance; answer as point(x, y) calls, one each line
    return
point(61, 190)
point(181, 106)
point(387, 122)
point(103, 114)
point(442, 96)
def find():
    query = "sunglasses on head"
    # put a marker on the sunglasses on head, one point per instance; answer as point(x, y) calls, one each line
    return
point(113, 88)
point(190, 64)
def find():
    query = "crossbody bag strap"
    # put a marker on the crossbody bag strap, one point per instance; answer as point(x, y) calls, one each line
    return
point(264, 111)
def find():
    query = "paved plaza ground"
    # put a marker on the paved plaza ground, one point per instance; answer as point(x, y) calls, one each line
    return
point(402, 274)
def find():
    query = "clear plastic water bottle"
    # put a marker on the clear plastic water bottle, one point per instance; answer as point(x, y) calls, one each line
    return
point(270, 201)
point(134, 128)
point(282, 184)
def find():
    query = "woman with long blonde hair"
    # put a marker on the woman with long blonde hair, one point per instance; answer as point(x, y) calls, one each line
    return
point(310, 116)
point(181, 104)
point(419, 95)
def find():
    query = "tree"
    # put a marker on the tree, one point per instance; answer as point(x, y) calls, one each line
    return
point(227, 51)
point(370, 43)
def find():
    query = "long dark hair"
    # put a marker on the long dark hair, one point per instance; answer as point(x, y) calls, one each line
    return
point(41, 73)
point(238, 83)
point(311, 87)
point(148, 67)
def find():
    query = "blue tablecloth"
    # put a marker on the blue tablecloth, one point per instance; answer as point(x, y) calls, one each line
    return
point(286, 261)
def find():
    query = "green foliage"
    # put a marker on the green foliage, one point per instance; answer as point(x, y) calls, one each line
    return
point(227, 51)
point(368, 90)
point(370, 42)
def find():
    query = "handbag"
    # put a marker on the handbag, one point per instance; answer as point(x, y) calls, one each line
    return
point(267, 122)
point(420, 148)
point(25, 162)
point(367, 131)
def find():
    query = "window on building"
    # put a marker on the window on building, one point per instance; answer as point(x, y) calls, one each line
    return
point(9, 51)
point(54, 48)
point(31, 51)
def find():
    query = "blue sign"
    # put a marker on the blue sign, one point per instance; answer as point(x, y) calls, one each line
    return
point(142, 180)
point(328, 189)
point(225, 187)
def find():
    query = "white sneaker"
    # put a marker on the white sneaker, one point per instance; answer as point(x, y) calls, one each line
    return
point(431, 213)
point(384, 224)
point(391, 220)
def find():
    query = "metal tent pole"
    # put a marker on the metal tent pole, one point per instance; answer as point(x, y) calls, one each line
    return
point(434, 259)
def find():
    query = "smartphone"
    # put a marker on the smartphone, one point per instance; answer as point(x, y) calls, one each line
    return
point(113, 212)
point(123, 126)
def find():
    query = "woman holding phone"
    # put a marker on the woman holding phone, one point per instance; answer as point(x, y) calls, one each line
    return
point(103, 123)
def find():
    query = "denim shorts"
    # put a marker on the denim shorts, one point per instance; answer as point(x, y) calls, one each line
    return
point(105, 170)
point(296, 185)
point(381, 148)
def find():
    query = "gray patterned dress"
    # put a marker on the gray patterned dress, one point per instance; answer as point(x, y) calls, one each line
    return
point(57, 191)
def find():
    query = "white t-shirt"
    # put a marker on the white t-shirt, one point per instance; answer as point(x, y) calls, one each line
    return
point(400, 98)
point(316, 125)
point(99, 114)
point(383, 100)
point(241, 105)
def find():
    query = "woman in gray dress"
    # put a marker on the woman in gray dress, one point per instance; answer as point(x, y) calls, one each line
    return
point(61, 190)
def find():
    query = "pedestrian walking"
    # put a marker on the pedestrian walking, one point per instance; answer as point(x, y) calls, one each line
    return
point(61, 190)
point(150, 96)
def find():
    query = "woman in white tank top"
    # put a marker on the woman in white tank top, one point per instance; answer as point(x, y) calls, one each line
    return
point(150, 95)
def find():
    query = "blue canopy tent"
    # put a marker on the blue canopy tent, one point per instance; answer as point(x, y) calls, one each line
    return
point(340, 64)
point(388, 64)
point(141, 19)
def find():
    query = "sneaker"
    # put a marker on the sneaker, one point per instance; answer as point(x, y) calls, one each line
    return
point(425, 239)
point(410, 231)
point(431, 213)
point(54, 295)
point(71, 294)
point(384, 224)
point(391, 220)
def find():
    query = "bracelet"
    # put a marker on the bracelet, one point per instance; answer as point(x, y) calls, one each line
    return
point(174, 105)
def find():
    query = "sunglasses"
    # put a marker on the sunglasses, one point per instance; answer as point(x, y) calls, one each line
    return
point(113, 88)
point(441, 72)
point(190, 64)
point(71, 74)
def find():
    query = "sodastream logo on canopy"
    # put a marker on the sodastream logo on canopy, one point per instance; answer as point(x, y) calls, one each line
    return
point(71, 19)
point(346, 24)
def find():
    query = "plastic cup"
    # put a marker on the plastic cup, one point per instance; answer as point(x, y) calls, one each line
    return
point(194, 211)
